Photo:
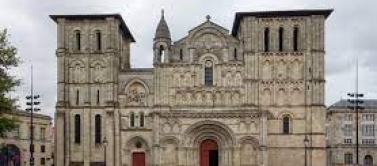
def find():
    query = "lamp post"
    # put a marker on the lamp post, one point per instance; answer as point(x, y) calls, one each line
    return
point(306, 144)
point(31, 102)
point(355, 102)
point(104, 142)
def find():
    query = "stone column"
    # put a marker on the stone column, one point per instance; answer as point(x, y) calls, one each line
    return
point(67, 140)
point(86, 137)
point(117, 143)
point(59, 138)
point(192, 54)
point(236, 156)
point(226, 54)
point(263, 141)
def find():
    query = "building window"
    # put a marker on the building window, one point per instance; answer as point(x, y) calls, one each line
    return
point(347, 141)
point(235, 53)
point(43, 133)
point(347, 117)
point(348, 158)
point(180, 54)
point(77, 129)
point(368, 160)
point(368, 117)
point(281, 35)
point(347, 130)
point(77, 97)
point(141, 119)
point(17, 132)
point(132, 119)
point(208, 73)
point(97, 132)
point(78, 40)
point(43, 161)
point(367, 141)
point(162, 53)
point(97, 97)
point(295, 39)
point(43, 149)
point(286, 124)
point(266, 40)
point(99, 40)
point(367, 129)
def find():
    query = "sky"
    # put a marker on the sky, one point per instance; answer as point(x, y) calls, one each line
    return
point(350, 36)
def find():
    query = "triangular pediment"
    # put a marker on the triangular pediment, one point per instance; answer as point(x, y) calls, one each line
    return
point(209, 24)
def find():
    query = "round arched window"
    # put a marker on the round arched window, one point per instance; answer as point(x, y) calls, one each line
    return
point(208, 73)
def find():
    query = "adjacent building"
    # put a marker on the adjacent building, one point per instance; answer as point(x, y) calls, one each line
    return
point(14, 148)
point(242, 97)
point(341, 133)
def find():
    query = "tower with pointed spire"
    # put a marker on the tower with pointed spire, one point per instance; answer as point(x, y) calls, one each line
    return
point(162, 41)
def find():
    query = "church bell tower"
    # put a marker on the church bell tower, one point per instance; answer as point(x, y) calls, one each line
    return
point(162, 42)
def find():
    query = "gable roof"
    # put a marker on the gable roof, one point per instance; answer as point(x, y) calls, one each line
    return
point(123, 25)
point(369, 104)
point(289, 13)
point(209, 23)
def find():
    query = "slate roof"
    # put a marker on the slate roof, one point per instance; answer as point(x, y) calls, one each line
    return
point(27, 114)
point(162, 30)
point(239, 15)
point(123, 25)
point(368, 104)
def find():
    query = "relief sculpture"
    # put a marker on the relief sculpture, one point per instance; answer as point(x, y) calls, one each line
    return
point(136, 95)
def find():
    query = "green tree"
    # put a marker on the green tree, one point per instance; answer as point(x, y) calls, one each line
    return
point(8, 59)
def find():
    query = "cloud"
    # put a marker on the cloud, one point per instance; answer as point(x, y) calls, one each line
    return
point(350, 34)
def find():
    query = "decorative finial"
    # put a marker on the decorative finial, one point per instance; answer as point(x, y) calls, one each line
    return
point(208, 17)
point(162, 12)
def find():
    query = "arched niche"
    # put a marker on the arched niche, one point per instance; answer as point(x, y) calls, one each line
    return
point(136, 92)
point(98, 70)
point(169, 151)
point(77, 71)
point(249, 151)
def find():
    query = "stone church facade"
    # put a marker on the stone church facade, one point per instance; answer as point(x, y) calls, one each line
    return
point(245, 97)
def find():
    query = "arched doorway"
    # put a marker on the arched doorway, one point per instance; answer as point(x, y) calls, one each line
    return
point(10, 155)
point(368, 160)
point(138, 159)
point(209, 155)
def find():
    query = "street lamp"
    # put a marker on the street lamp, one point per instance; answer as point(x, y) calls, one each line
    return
point(31, 102)
point(355, 102)
point(306, 144)
point(104, 142)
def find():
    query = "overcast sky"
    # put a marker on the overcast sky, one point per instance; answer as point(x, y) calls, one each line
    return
point(349, 34)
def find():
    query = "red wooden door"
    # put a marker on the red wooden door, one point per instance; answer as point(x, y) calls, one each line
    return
point(138, 159)
point(206, 147)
